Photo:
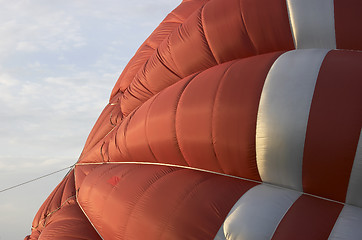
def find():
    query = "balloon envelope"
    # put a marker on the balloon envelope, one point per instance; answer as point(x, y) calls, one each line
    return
point(234, 120)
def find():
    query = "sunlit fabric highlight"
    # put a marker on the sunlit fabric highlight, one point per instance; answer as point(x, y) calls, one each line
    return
point(236, 119)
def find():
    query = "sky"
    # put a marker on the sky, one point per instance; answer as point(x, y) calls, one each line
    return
point(59, 61)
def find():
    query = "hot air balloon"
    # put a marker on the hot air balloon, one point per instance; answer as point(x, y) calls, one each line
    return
point(235, 119)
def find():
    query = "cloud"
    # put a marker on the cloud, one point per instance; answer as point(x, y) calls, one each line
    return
point(50, 116)
point(33, 26)
point(33, 165)
point(28, 27)
point(26, 46)
point(6, 80)
point(62, 60)
point(58, 63)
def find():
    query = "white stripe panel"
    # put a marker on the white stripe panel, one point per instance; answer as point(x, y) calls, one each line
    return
point(220, 234)
point(257, 213)
point(354, 193)
point(312, 23)
point(348, 225)
point(283, 116)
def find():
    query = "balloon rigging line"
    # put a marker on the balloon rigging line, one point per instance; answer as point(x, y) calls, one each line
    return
point(35, 179)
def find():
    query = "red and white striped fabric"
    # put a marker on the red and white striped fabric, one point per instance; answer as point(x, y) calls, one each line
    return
point(243, 123)
point(291, 120)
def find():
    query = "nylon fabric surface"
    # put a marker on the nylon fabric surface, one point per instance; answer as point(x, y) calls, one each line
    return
point(157, 199)
point(234, 120)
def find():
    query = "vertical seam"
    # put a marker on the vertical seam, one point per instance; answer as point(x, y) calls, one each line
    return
point(150, 183)
point(213, 116)
point(281, 219)
point(242, 18)
point(350, 199)
point(289, 11)
point(145, 127)
point(175, 120)
point(125, 134)
point(181, 200)
point(203, 34)
point(115, 139)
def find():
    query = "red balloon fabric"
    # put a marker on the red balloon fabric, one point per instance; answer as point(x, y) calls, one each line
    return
point(235, 119)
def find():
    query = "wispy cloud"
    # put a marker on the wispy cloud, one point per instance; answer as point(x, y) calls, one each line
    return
point(58, 63)
point(37, 28)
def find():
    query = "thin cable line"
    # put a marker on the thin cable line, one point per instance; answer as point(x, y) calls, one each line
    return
point(34, 179)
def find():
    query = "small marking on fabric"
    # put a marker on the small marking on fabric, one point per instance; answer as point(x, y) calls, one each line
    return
point(114, 180)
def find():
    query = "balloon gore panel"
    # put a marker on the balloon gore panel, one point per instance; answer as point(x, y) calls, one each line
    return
point(233, 120)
